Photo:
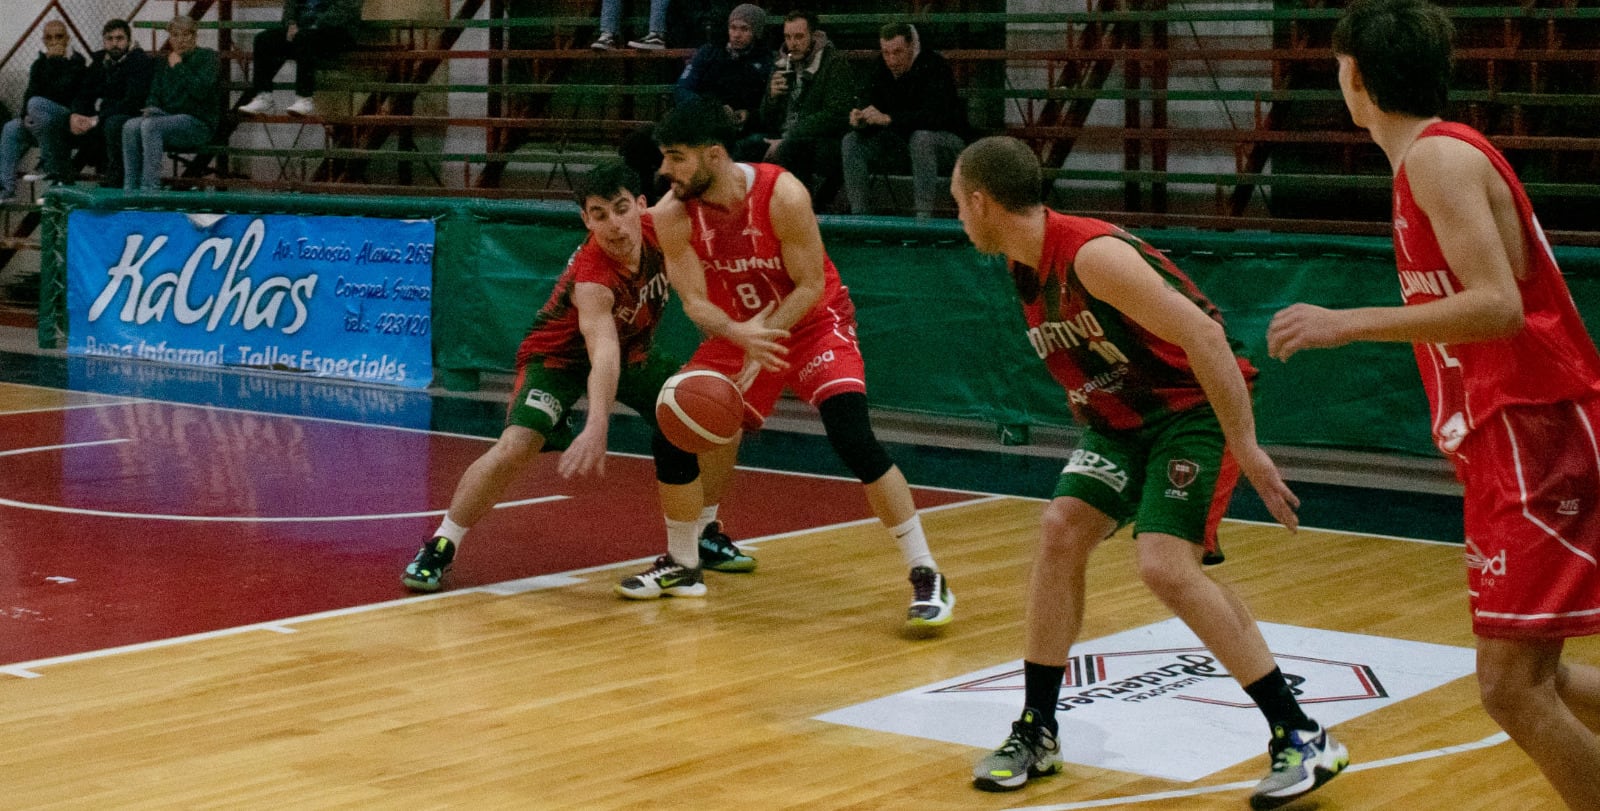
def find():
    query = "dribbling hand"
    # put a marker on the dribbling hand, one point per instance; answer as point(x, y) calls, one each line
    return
point(760, 342)
point(586, 455)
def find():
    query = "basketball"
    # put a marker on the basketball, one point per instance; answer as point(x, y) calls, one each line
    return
point(699, 410)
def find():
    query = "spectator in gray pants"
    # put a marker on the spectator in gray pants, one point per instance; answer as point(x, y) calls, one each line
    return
point(910, 118)
point(52, 83)
point(183, 111)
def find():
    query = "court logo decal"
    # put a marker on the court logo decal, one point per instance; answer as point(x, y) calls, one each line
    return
point(1154, 701)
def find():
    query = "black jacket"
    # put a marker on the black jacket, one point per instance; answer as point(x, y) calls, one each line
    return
point(115, 88)
point(737, 79)
point(56, 78)
point(923, 98)
point(821, 103)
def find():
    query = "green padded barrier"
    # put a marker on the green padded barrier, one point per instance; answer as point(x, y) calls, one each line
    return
point(939, 324)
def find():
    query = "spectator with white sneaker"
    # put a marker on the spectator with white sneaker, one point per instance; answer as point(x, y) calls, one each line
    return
point(52, 83)
point(312, 30)
point(611, 21)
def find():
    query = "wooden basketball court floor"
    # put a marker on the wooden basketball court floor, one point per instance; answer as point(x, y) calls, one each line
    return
point(201, 610)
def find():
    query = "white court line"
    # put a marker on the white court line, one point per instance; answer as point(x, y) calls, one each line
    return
point(20, 451)
point(825, 476)
point(1493, 740)
point(117, 402)
point(255, 519)
point(25, 669)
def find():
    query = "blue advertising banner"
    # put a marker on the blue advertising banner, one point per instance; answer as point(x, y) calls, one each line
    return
point(344, 297)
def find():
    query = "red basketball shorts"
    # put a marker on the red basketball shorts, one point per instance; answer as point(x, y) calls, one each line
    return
point(824, 360)
point(1532, 476)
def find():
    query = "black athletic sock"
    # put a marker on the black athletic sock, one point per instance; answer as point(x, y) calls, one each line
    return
point(1276, 701)
point(1042, 688)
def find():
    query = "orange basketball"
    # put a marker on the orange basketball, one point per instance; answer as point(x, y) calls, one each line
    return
point(699, 410)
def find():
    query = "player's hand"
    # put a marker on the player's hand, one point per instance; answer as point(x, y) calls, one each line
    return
point(747, 375)
point(1303, 326)
point(586, 455)
point(80, 123)
point(760, 342)
point(290, 32)
point(1268, 482)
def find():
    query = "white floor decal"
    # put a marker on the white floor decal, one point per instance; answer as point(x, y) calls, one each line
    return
point(1154, 701)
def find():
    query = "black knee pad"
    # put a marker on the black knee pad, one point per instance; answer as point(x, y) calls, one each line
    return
point(674, 465)
point(844, 417)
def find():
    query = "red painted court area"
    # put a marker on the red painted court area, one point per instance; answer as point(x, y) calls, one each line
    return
point(140, 521)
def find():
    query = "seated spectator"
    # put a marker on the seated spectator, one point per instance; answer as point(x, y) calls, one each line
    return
point(114, 90)
point(911, 118)
point(735, 74)
point(808, 103)
point(611, 21)
point(312, 31)
point(183, 110)
point(52, 83)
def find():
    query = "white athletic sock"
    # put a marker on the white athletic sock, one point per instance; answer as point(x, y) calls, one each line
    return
point(683, 542)
point(708, 514)
point(913, 544)
point(450, 529)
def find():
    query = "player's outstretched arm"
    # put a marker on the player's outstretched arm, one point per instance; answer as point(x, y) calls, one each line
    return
point(1460, 191)
point(1113, 271)
point(587, 453)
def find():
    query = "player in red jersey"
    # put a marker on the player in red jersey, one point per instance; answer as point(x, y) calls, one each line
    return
point(1149, 370)
point(745, 255)
point(1512, 377)
point(594, 336)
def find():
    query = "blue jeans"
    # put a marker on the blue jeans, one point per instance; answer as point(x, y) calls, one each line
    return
point(611, 16)
point(145, 141)
point(45, 124)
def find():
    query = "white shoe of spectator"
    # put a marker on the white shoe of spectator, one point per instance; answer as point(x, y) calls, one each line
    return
point(303, 105)
point(260, 105)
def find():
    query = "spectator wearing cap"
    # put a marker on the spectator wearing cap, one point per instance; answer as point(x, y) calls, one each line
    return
point(910, 118)
point(734, 74)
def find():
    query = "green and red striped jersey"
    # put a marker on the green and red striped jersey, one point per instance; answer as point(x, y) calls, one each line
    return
point(1118, 375)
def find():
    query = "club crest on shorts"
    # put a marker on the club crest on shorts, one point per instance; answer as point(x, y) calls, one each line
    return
point(1182, 472)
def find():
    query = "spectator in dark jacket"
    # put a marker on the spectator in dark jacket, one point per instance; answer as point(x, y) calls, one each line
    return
point(910, 117)
point(312, 31)
point(734, 74)
point(52, 83)
point(114, 90)
point(182, 112)
point(808, 104)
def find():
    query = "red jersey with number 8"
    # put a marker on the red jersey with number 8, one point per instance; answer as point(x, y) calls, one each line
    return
point(743, 259)
point(1550, 360)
